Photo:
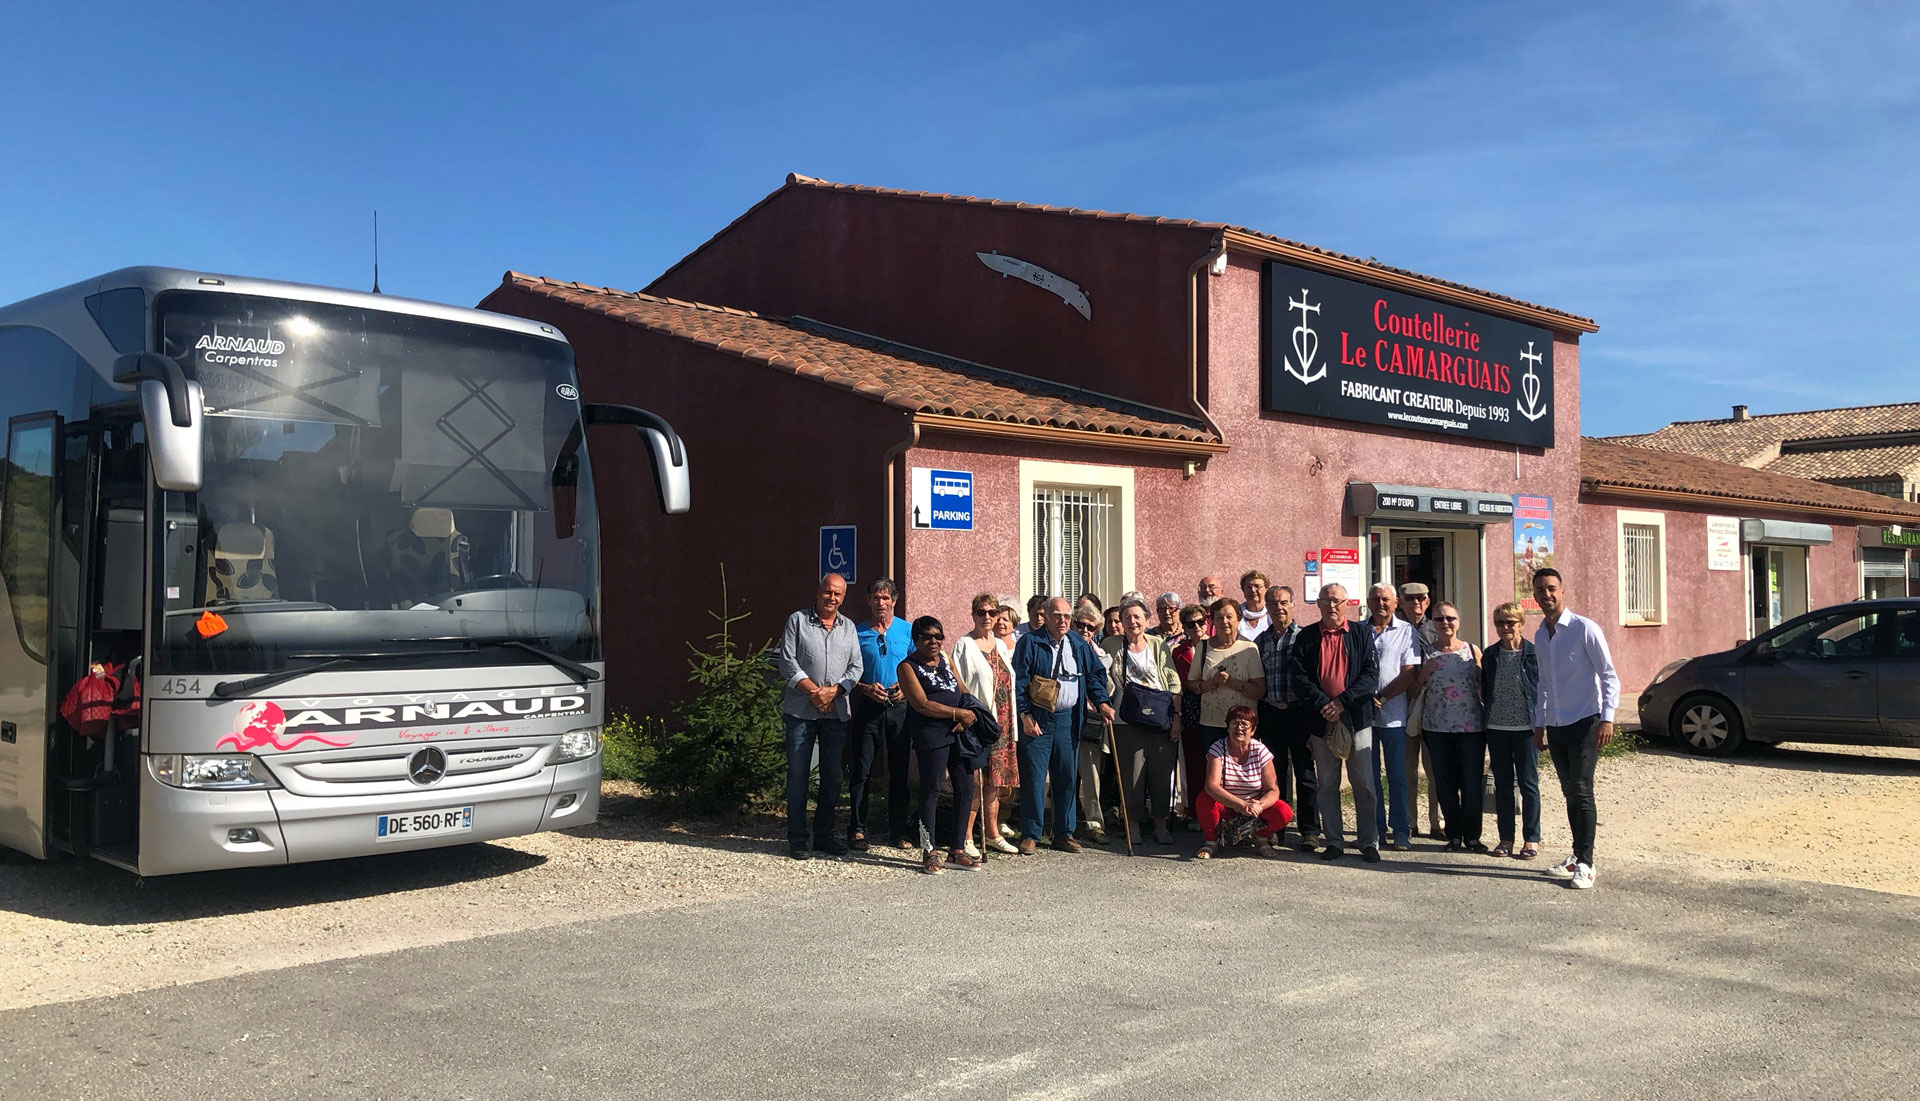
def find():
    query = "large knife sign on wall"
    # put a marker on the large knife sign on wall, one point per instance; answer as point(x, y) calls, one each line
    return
point(1067, 289)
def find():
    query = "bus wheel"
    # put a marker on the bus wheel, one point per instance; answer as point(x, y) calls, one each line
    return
point(1706, 725)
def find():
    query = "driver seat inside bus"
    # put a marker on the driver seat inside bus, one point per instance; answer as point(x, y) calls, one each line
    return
point(240, 564)
point(429, 555)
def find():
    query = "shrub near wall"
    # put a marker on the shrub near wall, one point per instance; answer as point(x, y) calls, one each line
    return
point(725, 750)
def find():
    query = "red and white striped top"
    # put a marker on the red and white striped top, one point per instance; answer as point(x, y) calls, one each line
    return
point(1241, 776)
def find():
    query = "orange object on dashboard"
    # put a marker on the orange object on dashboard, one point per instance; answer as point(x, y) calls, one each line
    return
point(209, 624)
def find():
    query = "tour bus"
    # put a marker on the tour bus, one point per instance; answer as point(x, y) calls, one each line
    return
point(292, 573)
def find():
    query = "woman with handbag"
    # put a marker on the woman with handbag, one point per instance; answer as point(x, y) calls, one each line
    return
point(1148, 733)
point(1226, 673)
point(1454, 724)
point(982, 660)
point(935, 714)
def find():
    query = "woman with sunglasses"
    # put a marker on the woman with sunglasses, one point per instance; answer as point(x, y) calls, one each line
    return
point(984, 662)
point(934, 716)
point(1454, 724)
point(1509, 682)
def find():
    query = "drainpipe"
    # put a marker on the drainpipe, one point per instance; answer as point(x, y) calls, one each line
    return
point(1217, 255)
point(892, 457)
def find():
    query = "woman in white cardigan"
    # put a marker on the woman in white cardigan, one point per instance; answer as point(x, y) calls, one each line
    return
point(983, 662)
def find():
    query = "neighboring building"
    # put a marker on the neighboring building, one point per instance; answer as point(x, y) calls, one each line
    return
point(1013, 398)
point(1872, 448)
point(1707, 554)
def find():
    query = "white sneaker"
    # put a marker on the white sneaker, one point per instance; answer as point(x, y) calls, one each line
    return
point(1009, 832)
point(972, 849)
point(1002, 845)
point(1582, 876)
point(1564, 869)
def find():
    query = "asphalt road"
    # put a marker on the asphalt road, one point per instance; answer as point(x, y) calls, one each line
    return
point(1088, 976)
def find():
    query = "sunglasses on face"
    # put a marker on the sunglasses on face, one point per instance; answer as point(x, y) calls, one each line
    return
point(933, 638)
point(1446, 619)
point(1506, 623)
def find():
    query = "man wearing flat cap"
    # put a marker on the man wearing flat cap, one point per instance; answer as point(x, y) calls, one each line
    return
point(1415, 599)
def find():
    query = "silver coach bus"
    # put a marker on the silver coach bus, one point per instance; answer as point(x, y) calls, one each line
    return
point(290, 573)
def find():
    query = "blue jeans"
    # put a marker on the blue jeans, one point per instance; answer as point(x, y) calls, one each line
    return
point(1515, 759)
point(830, 735)
point(1390, 745)
point(1049, 758)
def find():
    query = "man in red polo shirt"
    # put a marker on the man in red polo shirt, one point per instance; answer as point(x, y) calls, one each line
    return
point(1336, 669)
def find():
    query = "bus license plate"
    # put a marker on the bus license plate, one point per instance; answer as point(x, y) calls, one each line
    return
point(422, 823)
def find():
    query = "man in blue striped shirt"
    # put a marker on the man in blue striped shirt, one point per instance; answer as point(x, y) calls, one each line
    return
point(1287, 722)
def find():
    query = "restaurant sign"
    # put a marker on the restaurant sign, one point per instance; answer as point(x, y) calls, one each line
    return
point(1332, 347)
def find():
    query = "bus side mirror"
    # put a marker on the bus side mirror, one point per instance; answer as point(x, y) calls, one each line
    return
point(669, 455)
point(172, 407)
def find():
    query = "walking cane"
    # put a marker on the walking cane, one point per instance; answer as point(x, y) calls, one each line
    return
point(1126, 827)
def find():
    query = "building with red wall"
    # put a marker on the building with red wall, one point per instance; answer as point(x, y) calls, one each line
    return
point(1127, 403)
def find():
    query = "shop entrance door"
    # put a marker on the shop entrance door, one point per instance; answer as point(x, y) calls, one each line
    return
point(1779, 584)
point(1449, 561)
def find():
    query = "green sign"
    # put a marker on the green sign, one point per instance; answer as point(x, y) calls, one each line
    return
point(1891, 538)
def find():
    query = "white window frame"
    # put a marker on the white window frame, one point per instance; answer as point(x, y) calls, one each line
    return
point(1657, 521)
point(1116, 479)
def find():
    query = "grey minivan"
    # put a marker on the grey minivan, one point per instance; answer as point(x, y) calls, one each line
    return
point(1849, 673)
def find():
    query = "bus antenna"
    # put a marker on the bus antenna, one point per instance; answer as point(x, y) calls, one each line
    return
point(376, 252)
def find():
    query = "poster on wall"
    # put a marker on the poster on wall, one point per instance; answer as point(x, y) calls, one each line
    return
point(1532, 545)
point(1341, 566)
point(1723, 542)
point(942, 499)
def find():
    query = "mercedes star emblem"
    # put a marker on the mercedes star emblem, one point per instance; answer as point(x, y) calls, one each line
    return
point(427, 766)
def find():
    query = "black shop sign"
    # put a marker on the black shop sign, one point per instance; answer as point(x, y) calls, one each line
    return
point(1335, 348)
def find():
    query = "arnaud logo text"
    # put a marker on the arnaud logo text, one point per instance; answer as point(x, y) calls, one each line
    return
point(258, 346)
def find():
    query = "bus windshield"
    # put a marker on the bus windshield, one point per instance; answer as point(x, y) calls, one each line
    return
point(373, 482)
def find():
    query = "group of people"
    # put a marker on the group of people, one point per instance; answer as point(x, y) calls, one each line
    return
point(1214, 711)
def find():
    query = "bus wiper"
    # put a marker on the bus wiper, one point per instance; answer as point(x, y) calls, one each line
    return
point(580, 673)
point(227, 689)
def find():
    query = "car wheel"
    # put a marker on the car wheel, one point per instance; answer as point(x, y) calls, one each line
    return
point(1707, 725)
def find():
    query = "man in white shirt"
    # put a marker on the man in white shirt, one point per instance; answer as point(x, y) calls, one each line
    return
point(1253, 613)
point(1398, 645)
point(1573, 717)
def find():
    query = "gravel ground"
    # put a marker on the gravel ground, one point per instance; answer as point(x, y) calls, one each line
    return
point(81, 930)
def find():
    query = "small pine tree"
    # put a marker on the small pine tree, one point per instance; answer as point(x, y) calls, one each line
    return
point(727, 751)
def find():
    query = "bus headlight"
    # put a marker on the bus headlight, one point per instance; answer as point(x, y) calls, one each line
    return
point(222, 772)
point(577, 745)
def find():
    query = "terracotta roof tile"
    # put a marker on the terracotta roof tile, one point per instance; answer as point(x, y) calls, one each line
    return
point(1756, 440)
point(1859, 462)
point(905, 378)
point(1605, 464)
point(797, 180)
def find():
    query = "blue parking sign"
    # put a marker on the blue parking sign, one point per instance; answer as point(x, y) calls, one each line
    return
point(840, 551)
point(942, 499)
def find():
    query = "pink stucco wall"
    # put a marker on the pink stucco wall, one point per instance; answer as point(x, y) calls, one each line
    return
point(1278, 493)
point(1707, 610)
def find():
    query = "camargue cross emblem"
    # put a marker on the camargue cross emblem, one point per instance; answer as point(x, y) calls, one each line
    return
point(1306, 343)
point(1530, 386)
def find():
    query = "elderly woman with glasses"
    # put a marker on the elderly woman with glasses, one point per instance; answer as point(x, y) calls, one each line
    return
point(1241, 783)
point(934, 697)
point(1088, 623)
point(1454, 723)
point(1510, 682)
point(984, 662)
point(1148, 753)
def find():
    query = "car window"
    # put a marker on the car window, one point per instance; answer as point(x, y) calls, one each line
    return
point(1836, 637)
point(1906, 636)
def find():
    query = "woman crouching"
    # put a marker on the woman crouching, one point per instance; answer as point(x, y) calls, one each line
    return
point(1240, 783)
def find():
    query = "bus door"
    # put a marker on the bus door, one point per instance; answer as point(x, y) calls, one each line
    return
point(28, 494)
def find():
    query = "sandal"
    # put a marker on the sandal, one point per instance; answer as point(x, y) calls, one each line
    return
point(1504, 848)
point(1206, 851)
point(1527, 851)
point(1476, 846)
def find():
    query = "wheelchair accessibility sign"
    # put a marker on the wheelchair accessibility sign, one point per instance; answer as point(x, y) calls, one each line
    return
point(942, 499)
point(839, 551)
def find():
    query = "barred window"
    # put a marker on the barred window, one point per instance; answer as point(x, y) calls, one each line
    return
point(1642, 581)
point(1073, 541)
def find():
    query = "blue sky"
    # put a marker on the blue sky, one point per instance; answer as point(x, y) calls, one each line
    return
point(1730, 187)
